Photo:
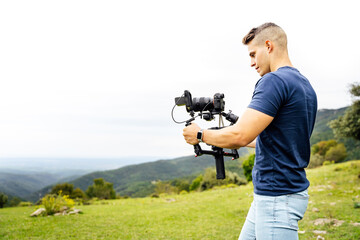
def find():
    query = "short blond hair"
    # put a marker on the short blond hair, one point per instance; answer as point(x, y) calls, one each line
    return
point(267, 31)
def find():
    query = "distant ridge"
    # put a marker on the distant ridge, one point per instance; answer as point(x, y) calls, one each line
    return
point(135, 180)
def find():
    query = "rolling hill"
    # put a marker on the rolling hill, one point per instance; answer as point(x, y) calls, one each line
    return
point(135, 180)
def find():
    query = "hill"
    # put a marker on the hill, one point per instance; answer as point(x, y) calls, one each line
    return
point(21, 185)
point(216, 214)
point(136, 180)
point(323, 132)
point(321, 129)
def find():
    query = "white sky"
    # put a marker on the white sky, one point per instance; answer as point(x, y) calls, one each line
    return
point(98, 78)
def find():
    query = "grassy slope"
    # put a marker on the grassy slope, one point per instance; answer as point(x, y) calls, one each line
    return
point(217, 214)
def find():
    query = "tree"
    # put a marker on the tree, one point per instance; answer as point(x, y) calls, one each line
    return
point(3, 199)
point(68, 189)
point(78, 194)
point(248, 165)
point(101, 189)
point(64, 188)
point(348, 125)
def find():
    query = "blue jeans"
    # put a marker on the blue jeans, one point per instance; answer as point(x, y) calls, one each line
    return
point(274, 218)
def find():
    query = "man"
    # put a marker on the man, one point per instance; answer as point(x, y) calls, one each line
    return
point(278, 123)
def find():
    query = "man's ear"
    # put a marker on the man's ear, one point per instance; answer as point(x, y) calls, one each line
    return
point(269, 46)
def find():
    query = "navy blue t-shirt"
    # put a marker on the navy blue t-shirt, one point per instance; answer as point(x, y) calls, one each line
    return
point(283, 148)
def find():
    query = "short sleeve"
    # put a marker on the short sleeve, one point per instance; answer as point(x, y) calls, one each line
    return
point(269, 95)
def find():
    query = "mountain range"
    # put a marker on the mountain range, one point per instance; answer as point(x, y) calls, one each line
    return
point(135, 180)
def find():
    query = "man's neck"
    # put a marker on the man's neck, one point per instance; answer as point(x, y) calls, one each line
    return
point(280, 62)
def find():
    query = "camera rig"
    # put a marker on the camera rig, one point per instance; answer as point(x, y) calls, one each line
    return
point(208, 108)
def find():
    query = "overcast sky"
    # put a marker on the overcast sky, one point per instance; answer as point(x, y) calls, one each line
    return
point(99, 78)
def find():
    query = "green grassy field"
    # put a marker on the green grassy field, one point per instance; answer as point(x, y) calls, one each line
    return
point(215, 214)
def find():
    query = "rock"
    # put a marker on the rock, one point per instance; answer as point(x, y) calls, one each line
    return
point(338, 223)
point(355, 224)
point(321, 221)
point(38, 212)
point(333, 204)
point(334, 222)
point(320, 238)
point(319, 232)
point(64, 209)
point(301, 232)
point(315, 209)
point(75, 211)
point(170, 200)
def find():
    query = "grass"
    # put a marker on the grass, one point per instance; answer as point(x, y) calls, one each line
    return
point(215, 214)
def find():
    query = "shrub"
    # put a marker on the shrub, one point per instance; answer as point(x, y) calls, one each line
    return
point(316, 160)
point(248, 165)
point(196, 183)
point(336, 153)
point(183, 192)
point(209, 180)
point(3, 199)
point(322, 147)
point(25, 204)
point(55, 203)
point(325, 163)
point(165, 187)
point(329, 151)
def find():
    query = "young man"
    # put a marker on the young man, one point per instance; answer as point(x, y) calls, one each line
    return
point(278, 123)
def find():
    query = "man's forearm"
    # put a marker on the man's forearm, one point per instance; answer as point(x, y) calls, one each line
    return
point(228, 137)
point(242, 134)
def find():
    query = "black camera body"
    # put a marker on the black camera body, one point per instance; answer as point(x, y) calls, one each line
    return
point(208, 108)
point(211, 106)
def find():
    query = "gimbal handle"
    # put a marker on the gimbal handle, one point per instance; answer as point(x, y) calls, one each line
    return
point(217, 152)
point(219, 155)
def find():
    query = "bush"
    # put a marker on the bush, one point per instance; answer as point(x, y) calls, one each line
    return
point(196, 183)
point(165, 187)
point(316, 160)
point(183, 192)
point(25, 204)
point(248, 165)
point(3, 199)
point(325, 163)
point(55, 203)
point(336, 153)
point(322, 147)
point(329, 151)
point(209, 180)
point(68, 189)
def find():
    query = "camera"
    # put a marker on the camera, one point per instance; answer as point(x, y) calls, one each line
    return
point(214, 105)
point(208, 108)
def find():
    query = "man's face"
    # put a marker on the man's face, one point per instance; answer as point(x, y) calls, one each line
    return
point(259, 58)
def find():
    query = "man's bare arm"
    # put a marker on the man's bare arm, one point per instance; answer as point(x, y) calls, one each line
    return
point(252, 144)
point(244, 132)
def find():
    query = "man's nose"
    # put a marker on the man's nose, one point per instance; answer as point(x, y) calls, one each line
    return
point(252, 63)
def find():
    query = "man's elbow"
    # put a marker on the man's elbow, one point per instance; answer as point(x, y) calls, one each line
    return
point(241, 141)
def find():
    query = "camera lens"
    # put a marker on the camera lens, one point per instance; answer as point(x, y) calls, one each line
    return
point(202, 104)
